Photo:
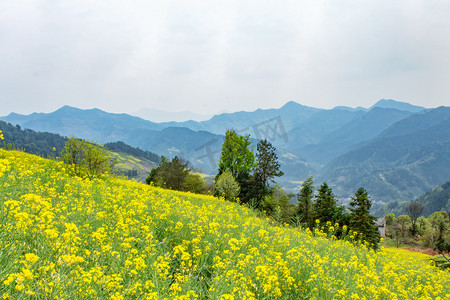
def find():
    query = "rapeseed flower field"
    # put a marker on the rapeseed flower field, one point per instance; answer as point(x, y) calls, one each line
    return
point(63, 237)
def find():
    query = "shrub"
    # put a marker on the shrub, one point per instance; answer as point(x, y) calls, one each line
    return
point(227, 186)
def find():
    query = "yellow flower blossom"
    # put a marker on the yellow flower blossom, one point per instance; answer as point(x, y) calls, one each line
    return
point(31, 257)
point(112, 238)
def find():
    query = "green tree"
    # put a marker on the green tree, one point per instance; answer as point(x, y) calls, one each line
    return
point(73, 155)
point(237, 158)
point(361, 220)
point(266, 169)
point(86, 158)
point(170, 174)
point(267, 166)
point(236, 155)
point(227, 186)
point(152, 176)
point(437, 233)
point(97, 160)
point(304, 200)
point(174, 173)
point(389, 219)
point(325, 207)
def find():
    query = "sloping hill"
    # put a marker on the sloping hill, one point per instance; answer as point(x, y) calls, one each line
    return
point(436, 199)
point(40, 143)
point(65, 237)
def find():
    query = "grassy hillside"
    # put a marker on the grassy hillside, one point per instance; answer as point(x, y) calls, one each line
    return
point(63, 237)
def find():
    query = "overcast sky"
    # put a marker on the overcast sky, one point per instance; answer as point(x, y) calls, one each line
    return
point(211, 56)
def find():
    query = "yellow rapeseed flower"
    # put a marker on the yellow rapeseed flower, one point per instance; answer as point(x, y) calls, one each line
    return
point(31, 257)
point(114, 238)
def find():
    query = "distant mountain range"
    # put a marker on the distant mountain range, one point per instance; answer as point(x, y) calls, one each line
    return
point(405, 160)
point(394, 149)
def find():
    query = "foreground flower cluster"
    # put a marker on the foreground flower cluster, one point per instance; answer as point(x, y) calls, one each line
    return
point(62, 237)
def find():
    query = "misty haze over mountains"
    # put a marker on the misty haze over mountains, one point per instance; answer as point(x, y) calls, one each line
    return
point(160, 116)
point(396, 150)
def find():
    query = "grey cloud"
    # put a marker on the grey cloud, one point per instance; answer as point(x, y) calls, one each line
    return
point(222, 55)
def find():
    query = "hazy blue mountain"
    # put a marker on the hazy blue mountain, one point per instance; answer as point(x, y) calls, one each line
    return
point(92, 124)
point(421, 120)
point(245, 122)
point(401, 163)
point(363, 127)
point(389, 103)
point(103, 127)
point(314, 130)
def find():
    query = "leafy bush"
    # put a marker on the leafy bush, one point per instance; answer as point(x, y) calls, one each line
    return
point(227, 186)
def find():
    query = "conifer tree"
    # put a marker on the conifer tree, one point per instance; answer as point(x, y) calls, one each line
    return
point(304, 199)
point(266, 169)
point(325, 207)
point(361, 220)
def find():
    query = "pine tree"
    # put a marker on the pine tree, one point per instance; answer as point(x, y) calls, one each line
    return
point(361, 220)
point(304, 199)
point(325, 207)
point(266, 169)
point(268, 166)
